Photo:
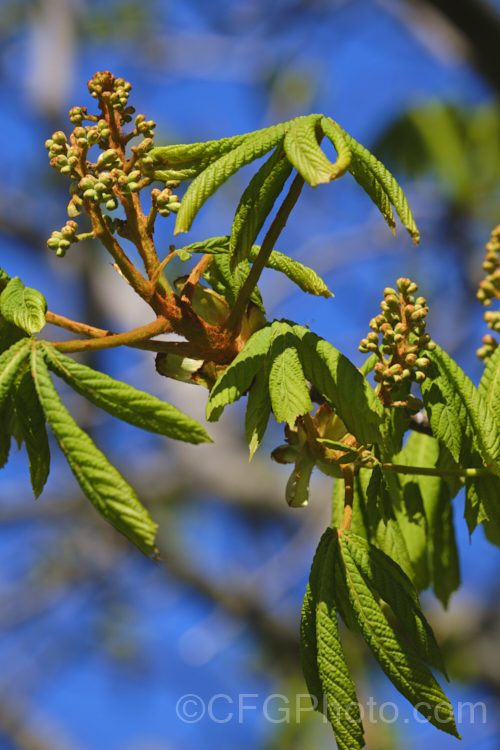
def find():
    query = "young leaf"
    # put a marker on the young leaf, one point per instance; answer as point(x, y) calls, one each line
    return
point(302, 149)
point(489, 385)
point(10, 362)
point(288, 389)
point(456, 409)
point(238, 377)
point(123, 401)
point(369, 364)
point(334, 133)
point(255, 205)
point(396, 657)
point(389, 580)
point(110, 494)
point(32, 423)
point(339, 381)
point(182, 155)
point(394, 192)
point(258, 409)
point(305, 278)
point(22, 306)
point(217, 173)
point(228, 283)
point(374, 190)
point(323, 660)
point(424, 450)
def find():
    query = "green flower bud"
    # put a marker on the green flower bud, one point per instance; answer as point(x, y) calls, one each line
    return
point(403, 284)
point(59, 138)
point(146, 145)
point(412, 288)
point(56, 149)
point(107, 179)
point(80, 133)
point(419, 376)
point(93, 136)
point(164, 212)
point(87, 182)
point(423, 340)
point(112, 204)
point(389, 291)
point(387, 349)
point(422, 363)
point(109, 158)
point(49, 144)
point(481, 353)
point(430, 346)
point(373, 325)
point(392, 301)
point(134, 176)
point(174, 207)
point(53, 243)
point(411, 359)
point(371, 336)
point(133, 187)
point(406, 374)
point(398, 338)
point(396, 369)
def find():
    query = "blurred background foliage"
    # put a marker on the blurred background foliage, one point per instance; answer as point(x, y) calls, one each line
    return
point(98, 643)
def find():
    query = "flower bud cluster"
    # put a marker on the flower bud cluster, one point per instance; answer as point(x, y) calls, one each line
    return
point(402, 328)
point(490, 286)
point(104, 86)
point(167, 203)
point(60, 241)
point(487, 349)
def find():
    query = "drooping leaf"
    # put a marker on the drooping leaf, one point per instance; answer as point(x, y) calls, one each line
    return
point(258, 409)
point(255, 205)
point(370, 163)
point(408, 509)
point(239, 375)
point(324, 665)
point(339, 381)
point(110, 494)
point(374, 190)
point(123, 401)
point(228, 283)
point(288, 389)
point(457, 410)
point(424, 450)
point(396, 589)
point(216, 174)
point(22, 306)
point(10, 362)
point(32, 423)
point(397, 658)
point(303, 151)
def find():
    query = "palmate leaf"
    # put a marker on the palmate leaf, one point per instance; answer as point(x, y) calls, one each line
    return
point(110, 494)
point(255, 205)
point(398, 659)
point(303, 151)
point(323, 660)
point(305, 278)
point(339, 381)
point(396, 589)
point(123, 401)
point(457, 410)
point(216, 174)
point(370, 164)
point(31, 420)
point(22, 306)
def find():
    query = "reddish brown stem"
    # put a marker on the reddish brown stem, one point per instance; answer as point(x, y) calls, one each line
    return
point(136, 336)
point(195, 276)
point(349, 495)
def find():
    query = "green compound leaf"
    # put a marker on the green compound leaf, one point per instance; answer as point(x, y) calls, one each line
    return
point(374, 190)
point(396, 589)
point(10, 362)
point(106, 489)
point(123, 401)
point(216, 174)
point(457, 410)
point(22, 306)
point(397, 658)
point(31, 420)
point(258, 409)
point(238, 377)
point(370, 164)
point(255, 205)
point(288, 389)
point(325, 669)
point(339, 381)
point(228, 283)
point(302, 149)
point(185, 155)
